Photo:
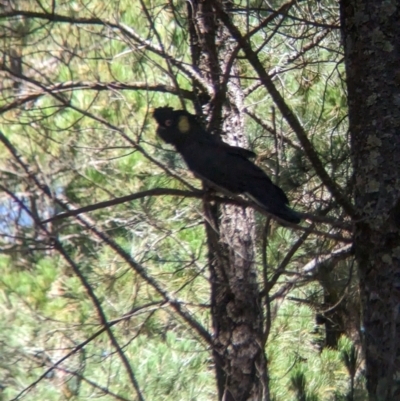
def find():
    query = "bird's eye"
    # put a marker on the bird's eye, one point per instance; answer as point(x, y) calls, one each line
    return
point(168, 123)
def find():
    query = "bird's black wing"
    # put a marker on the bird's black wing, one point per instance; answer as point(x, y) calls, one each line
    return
point(225, 147)
point(226, 166)
point(234, 173)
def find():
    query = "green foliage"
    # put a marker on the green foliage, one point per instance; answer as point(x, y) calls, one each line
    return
point(299, 371)
point(94, 141)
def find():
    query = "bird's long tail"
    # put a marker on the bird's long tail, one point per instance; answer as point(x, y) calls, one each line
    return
point(275, 204)
point(289, 215)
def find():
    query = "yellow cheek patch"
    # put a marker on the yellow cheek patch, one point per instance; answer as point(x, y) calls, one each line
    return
point(183, 125)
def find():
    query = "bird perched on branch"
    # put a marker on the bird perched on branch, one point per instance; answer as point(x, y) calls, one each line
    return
point(221, 165)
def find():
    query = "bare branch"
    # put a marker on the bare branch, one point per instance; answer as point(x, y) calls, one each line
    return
point(287, 113)
point(124, 29)
point(98, 86)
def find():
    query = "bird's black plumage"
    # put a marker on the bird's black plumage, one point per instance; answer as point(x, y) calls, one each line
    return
point(224, 166)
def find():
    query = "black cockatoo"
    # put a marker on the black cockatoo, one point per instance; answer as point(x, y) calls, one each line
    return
point(219, 164)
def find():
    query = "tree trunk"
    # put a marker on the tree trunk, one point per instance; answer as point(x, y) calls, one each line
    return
point(236, 312)
point(372, 51)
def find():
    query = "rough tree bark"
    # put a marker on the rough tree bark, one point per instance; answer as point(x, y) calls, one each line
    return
point(236, 312)
point(372, 52)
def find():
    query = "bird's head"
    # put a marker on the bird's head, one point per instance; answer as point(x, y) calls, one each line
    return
point(173, 125)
